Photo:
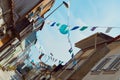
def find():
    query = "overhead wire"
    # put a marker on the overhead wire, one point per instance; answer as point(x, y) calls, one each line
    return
point(68, 23)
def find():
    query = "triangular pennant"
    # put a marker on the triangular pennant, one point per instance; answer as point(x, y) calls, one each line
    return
point(70, 50)
point(60, 62)
point(83, 28)
point(53, 24)
point(51, 54)
point(74, 62)
point(93, 28)
point(74, 28)
point(41, 55)
point(72, 55)
point(32, 62)
point(55, 60)
point(58, 24)
point(108, 29)
point(66, 4)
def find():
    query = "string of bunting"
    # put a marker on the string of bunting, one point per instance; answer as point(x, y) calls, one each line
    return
point(63, 28)
point(67, 30)
point(49, 57)
point(63, 31)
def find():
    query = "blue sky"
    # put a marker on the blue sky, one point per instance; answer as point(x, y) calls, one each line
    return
point(103, 13)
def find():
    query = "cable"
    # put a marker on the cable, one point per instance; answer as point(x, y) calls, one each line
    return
point(68, 18)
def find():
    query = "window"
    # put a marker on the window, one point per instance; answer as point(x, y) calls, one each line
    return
point(109, 64)
point(112, 64)
point(101, 65)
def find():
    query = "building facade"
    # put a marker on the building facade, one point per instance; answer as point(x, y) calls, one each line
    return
point(93, 49)
point(19, 21)
point(20, 18)
point(108, 68)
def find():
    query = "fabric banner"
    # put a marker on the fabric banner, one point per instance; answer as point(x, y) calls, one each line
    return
point(60, 62)
point(83, 28)
point(41, 55)
point(74, 62)
point(58, 24)
point(74, 28)
point(53, 24)
point(93, 28)
point(70, 50)
point(108, 29)
point(72, 55)
point(32, 62)
point(64, 29)
point(51, 54)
